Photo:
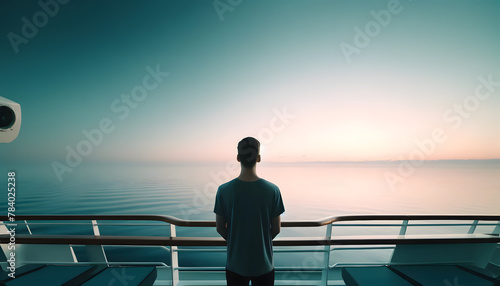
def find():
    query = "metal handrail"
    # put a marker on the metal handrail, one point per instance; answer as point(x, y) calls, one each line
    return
point(325, 243)
point(216, 241)
point(304, 223)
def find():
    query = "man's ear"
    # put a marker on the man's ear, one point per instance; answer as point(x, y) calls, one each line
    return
point(238, 158)
point(258, 158)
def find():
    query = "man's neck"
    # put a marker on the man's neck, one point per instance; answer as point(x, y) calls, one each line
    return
point(248, 174)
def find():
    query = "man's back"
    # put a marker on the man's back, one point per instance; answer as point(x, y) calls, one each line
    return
point(248, 208)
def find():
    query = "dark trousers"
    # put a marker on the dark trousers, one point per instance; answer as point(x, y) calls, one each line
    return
point(235, 279)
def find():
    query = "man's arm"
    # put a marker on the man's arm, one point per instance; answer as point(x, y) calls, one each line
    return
point(275, 226)
point(221, 226)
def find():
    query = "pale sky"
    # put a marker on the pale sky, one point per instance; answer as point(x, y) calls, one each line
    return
point(276, 70)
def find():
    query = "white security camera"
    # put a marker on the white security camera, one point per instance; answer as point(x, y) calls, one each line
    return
point(10, 120)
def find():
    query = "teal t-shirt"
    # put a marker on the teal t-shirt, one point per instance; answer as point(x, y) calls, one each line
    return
point(248, 208)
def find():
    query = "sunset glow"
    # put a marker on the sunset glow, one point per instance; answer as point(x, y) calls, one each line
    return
point(186, 86)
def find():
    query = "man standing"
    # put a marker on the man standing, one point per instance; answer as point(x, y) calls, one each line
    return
point(248, 210)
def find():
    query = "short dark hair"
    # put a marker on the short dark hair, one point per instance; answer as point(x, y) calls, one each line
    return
point(248, 151)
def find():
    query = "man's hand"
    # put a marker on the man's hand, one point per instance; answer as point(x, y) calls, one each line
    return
point(275, 226)
point(221, 225)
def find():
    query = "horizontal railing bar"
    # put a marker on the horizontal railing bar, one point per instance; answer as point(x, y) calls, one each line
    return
point(222, 268)
point(201, 250)
point(309, 223)
point(337, 225)
point(344, 264)
point(201, 268)
point(215, 241)
point(330, 220)
point(274, 250)
point(117, 263)
point(90, 223)
point(448, 224)
point(416, 224)
point(167, 219)
point(361, 248)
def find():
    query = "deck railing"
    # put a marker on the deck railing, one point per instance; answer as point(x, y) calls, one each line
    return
point(326, 242)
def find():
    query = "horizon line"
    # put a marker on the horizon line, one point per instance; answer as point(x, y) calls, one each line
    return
point(494, 160)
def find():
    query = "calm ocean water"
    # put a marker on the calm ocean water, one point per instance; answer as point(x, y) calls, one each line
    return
point(310, 191)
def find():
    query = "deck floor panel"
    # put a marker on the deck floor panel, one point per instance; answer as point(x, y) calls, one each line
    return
point(441, 275)
point(51, 275)
point(373, 276)
point(124, 275)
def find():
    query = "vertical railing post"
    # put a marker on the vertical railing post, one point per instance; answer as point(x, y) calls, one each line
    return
point(95, 253)
point(404, 226)
point(326, 256)
point(27, 226)
point(174, 258)
point(473, 227)
point(497, 228)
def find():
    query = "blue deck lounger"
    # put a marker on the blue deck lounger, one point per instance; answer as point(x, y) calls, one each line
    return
point(80, 274)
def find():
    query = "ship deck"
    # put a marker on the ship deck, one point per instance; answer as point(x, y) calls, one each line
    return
point(350, 250)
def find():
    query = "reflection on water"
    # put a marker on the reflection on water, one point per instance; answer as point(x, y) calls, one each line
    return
point(335, 189)
point(310, 191)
